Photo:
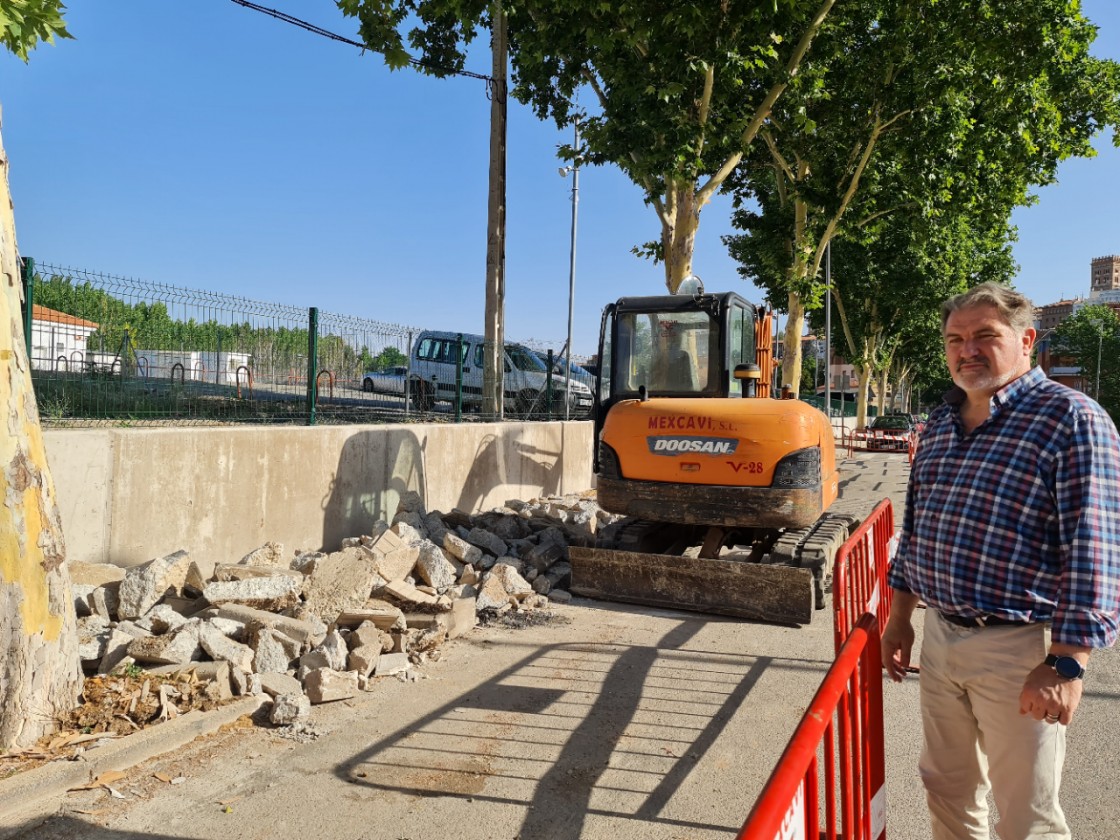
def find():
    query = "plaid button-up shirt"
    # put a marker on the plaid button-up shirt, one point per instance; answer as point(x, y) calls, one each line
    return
point(1021, 518)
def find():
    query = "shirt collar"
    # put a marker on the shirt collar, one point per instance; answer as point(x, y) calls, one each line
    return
point(1007, 395)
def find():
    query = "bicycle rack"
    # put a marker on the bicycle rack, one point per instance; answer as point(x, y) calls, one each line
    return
point(237, 377)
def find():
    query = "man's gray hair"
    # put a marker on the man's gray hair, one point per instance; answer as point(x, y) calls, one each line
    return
point(1016, 309)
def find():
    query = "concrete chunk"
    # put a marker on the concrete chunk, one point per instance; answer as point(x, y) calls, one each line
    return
point(269, 554)
point(233, 571)
point(224, 649)
point(408, 594)
point(177, 647)
point(491, 595)
point(94, 574)
point(434, 568)
point(161, 619)
point(275, 684)
point(325, 685)
point(342, 581)
point(394, 558)
point(362, 660)
point(300, 630)
point(268, 593)
point(512, 582)
point(116, 650)
point(290, 708)
point(143, 586)
point(462, 550)
point(488, 542)
point(274, 651)
point(464, 616)
point(93, 636)
point(390, 664)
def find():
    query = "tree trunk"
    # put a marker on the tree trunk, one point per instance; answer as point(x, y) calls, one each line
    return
point(791, 343)
point(678, 233)
point(40, 675)
point(861, 399)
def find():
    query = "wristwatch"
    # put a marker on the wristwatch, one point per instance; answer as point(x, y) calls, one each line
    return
point(1066, 667)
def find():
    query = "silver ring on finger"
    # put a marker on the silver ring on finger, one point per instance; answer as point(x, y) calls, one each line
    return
point(1052, 718)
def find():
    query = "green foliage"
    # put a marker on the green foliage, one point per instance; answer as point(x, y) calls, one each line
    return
point(24, 23)
point(125, 328)
point(679, 89)
point(387, 358)
point(1090, 339)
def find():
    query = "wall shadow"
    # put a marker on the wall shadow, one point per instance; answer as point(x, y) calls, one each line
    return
point(505, 459)
point(374, 470)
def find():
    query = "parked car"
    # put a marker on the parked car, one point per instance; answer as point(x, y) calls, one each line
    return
point(434, 364)
point(389, 381)
point(891, 432)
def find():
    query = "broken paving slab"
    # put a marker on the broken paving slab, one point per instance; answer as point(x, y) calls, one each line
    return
point(269, 593)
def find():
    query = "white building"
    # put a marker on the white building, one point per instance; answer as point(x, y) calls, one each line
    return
point(58, 340)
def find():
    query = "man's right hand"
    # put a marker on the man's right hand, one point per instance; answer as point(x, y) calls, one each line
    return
point(898, 634)
point(897, 643)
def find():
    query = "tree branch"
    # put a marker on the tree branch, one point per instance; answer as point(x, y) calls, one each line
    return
point(762, 112)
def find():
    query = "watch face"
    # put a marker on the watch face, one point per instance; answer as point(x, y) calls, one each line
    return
point(1068, 668)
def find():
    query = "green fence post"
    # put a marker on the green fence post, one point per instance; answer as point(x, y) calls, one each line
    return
point(28, 301)
point(312, 362)
point(459, 381)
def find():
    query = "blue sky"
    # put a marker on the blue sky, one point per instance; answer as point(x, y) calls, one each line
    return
point(204, 145)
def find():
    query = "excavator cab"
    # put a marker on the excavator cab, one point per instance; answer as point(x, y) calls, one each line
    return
point(709, 469)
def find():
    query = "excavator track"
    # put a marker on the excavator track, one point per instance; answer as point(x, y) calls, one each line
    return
point(759, 574)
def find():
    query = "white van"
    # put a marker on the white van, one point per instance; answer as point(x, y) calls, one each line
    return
point(435, 358)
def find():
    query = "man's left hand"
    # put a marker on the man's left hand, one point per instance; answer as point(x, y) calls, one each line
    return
point(1046, 695)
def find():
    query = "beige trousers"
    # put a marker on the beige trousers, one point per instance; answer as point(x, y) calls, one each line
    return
point(974, 737)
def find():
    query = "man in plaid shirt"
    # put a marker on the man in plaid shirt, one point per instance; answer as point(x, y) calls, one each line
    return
point(1011, 537)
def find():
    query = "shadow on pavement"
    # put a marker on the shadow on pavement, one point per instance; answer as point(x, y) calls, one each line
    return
point(65, 827)
point(573, 731)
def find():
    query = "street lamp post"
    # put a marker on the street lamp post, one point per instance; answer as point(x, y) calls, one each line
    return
point(564, 170)
point(1097, 390)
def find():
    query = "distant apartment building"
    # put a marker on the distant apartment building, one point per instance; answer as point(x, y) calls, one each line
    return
point(1048, 317)
point(1105, 275)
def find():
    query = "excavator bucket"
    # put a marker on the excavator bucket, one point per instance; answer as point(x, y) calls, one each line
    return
point(773, 593)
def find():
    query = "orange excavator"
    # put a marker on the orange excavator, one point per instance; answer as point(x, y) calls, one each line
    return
point(724, 489)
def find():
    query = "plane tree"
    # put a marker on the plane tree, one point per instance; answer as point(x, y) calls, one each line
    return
point(1091, 339)
point(40, 674)
point(913, 112)
point(679, 91)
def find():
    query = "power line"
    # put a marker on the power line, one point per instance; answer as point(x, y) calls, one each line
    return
point(326, 33)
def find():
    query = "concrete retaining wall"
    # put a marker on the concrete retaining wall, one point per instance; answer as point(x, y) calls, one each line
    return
point(128, 495)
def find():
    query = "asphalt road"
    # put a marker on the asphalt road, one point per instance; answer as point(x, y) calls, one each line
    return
point(607, 721)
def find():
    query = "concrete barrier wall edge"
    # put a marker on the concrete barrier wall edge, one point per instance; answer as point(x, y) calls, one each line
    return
point(128, 495)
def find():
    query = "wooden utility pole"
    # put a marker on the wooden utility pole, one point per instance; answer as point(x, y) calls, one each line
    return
point(40, 674)
point(493, 368)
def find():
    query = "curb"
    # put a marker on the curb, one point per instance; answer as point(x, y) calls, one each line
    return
point(37, 794)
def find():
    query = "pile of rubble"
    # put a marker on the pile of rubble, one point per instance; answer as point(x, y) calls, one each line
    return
point(318, 627)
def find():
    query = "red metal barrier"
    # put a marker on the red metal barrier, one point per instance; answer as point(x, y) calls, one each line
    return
point(846, 716)
point(859, 578)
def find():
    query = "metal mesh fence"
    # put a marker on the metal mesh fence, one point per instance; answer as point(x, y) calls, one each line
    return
point(112, 350)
